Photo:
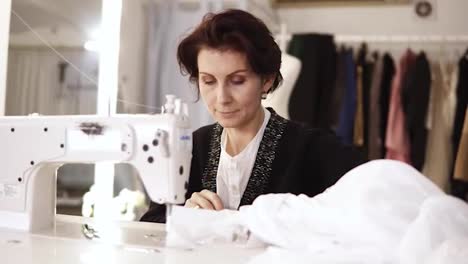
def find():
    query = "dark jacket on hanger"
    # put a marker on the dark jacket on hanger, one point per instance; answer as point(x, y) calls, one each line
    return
point(461, 160)
point(345, 129)
point(462, 100)
point(415, 101)
point(311, 98)
point(460, 188)
point(339, 88)
point(291, 158)
point(365, 63)
point(373, 136)
point(385, 91)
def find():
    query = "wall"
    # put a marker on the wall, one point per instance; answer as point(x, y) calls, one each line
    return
point(5, 6)
point(450, 18)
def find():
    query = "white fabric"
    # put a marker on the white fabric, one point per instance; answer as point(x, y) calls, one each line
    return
point(380, 212)
point(371, 206)
point(234, 172)
point(224, 226)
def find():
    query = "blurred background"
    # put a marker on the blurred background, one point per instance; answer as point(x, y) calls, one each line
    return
point(350, 56)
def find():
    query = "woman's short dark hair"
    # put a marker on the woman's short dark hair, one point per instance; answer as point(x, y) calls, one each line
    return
point(233, 30)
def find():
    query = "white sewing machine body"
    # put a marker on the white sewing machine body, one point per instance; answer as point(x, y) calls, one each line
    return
point(32, 148)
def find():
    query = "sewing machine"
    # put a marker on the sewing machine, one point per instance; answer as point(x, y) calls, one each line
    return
point(33, 147)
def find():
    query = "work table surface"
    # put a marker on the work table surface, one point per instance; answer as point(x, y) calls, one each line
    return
point(136, 242)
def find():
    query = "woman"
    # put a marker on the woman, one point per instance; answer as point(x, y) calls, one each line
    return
point(234, 61)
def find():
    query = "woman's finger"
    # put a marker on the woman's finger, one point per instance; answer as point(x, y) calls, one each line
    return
point(190, 204)
point(201, 201)
point(214, 199)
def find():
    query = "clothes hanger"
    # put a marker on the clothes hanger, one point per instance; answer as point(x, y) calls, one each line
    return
point(375, 55)
point(362, 52)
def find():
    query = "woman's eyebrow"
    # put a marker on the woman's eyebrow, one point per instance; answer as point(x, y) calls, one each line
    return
point(238, 71)
point(205, 73)
point(232, 73)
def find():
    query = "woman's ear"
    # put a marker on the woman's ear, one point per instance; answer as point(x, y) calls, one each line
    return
point(268, 83)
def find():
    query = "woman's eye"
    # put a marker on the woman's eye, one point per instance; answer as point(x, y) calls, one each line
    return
point(238, 81)
point(208, 82)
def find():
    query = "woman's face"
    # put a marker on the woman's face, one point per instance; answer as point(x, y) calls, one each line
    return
point(230, 89)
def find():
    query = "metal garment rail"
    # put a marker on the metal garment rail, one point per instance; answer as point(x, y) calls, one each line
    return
point(402, 38)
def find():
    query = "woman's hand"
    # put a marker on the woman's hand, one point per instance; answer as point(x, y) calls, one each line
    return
point(205, 200)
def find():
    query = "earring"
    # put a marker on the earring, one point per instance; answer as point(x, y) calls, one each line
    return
point(264, 96)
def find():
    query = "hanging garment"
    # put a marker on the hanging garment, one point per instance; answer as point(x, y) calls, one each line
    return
point(310, 100)
point(367, 76)
point(384, 99)
point(397, 141)
point(373, 139)
point(440, 116)
point(358, 135)
point(415, 100)
point(460, 188)
point(358, 132)
point(462, 101)
point(461, 162)
point(348, 108)
point(339, 89)
point(366, 64)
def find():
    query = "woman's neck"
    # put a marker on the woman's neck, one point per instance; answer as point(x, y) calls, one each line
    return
point(238, 138)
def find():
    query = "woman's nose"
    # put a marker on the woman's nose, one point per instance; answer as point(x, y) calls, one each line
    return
point(223, 95)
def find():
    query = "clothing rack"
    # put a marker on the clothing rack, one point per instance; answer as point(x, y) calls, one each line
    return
point(403, 39)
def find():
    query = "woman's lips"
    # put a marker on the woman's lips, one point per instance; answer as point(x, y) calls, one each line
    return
point(227, 113)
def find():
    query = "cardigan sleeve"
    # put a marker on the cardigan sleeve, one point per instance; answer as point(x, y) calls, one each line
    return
point(333, 159)
point(310, 160)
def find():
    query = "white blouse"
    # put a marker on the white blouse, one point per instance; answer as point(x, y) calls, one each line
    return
point(234, 172)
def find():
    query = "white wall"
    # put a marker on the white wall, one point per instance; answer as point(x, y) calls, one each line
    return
point(5, 7)
point(451, 18)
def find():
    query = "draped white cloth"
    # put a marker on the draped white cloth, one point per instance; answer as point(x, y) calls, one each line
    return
point(380, 212)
